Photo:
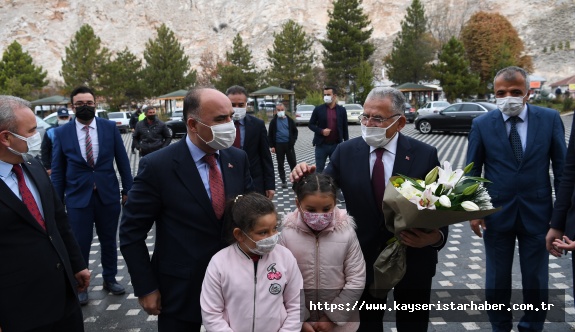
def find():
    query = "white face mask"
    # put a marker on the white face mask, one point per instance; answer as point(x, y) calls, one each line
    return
point(239, 113)
point(327, 99)
point(510, 106)
point(34, 144)
point(264, 246)
point(376, 136)
point(63, 122)
point(223, 135)
point(282, 114)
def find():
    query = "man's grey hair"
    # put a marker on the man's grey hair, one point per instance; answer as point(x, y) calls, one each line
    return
point(509, 75)
point(396, 97)
point(8, 104)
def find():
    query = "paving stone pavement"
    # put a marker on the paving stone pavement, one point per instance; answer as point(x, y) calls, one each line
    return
point(461, 263)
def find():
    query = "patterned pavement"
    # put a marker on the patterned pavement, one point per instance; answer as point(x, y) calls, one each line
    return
point(461, 263)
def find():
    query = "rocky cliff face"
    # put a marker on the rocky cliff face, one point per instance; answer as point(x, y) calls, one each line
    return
point(45, 27)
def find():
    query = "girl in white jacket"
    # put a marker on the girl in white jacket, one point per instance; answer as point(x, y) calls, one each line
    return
point(323, 240)
point(252, 285)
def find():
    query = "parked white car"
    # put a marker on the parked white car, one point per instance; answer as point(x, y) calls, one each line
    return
point(122, 120)
point(353, 112)
point(433, 107)
point(52, 118)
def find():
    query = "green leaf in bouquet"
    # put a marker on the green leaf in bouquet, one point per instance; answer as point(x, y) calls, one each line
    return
point(414, 182)
point(475, 178)
point(439, 190)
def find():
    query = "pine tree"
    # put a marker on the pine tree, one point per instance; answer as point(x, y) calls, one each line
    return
point(238, 69)
point(347, 35)
point(364, 80)
point(18, 74)
point(122, 80)
point(84, 60)
point(167, 66)
point(291, 59)
point(413, 48)
point(453, 71)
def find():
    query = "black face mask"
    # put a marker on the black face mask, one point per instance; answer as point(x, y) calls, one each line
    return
point(151, 117)
point(85, 112)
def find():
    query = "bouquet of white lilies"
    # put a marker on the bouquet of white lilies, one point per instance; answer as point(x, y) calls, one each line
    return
point(443, 198)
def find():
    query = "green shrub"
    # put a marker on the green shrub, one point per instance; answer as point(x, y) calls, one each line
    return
point(313, 98)
point(567, 104)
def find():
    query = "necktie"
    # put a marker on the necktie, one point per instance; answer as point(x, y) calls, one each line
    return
point(238, 140)
point(216, 185)
point(89, 152)
point(378, 178)
point(515, 140)
point(27, 196)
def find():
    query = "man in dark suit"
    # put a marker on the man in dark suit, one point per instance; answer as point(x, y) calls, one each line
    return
point(329, 123)
point(83, 170)
point(563, 218)
point(362, 167)
point(514, 146)
point(252, 137)
point(41, 262)
point(282, 137)
point(183, 189)
point(48, 140)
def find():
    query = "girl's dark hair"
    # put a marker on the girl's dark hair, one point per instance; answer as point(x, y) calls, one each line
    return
point(243, 212)
point(314, 183)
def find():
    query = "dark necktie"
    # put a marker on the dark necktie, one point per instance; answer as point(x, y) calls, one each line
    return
point(378, 178)
point(238, 140)
point(27, 196)
point(89, 152)
point(515, 139)
point(216, 185)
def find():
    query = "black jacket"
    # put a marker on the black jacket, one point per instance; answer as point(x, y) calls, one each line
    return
point(292, 128)
point(151, 137)
point(318, 122)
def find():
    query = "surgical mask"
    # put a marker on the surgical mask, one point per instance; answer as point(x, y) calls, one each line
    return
point(282, 114)
point(239, 113)
point(63, 122)
point(85, 112)
point(510, 106)
point(264, 246)
point(223, 135)
point(376, 136)
point(317, 221)
point(327, 99)
point(34, 144)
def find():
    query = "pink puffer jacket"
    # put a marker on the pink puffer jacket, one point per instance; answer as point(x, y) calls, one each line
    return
point(331, 262)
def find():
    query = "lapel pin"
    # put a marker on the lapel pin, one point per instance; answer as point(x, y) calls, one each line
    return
point(230, 165)
point(406, 157)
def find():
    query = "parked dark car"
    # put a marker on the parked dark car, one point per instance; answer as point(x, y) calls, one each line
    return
point(457, 117)
point(409, 112)
point(177, 128)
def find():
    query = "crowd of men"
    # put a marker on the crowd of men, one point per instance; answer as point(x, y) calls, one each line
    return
point(49, 211)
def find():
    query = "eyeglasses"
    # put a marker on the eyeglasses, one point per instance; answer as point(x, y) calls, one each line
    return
point(88, 103)
point(376, 120)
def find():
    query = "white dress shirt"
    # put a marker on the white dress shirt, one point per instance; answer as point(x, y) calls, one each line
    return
point(11, 181)
point(388, 158)
point(93, 136)
point(203, 167)
point(521, 126)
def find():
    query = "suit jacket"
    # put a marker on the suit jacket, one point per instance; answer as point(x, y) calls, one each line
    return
point(72, 175)
point(37, 265)
point(258, 149)
point(273, 129)
point(563, 217)
point(168, 190)
point(318, 122)
point(349, 166)
point(523, 190)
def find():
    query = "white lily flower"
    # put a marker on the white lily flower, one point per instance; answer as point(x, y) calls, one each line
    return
point(427, 200)
point(445, 201)
point(469, 206)
point(447, 177)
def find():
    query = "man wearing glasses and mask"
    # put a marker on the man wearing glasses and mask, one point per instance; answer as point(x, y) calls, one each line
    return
point(362, 167)
point(85, 179)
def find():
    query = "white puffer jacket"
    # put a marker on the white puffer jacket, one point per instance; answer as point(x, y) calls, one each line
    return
point(330, 262)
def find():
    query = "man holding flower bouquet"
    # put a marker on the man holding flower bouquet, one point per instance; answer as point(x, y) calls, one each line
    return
point(514, 147)
point(362, 167)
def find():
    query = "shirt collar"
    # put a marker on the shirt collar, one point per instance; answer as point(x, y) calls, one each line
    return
point(81, 126)
point(5, 169)
point(197, 153)
point(390, 147)
point(522, 115)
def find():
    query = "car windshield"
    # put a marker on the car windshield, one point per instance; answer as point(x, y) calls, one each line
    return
point(353, 107)
point(115, 115)
point(441, 104)
point(305, 108)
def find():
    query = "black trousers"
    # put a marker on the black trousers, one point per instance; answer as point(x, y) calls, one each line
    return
point(172, 324)
point(72, 321)
point(284, 150)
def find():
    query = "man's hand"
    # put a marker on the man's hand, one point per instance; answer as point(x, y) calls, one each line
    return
point(416, 238)
point(552, 235)
point(273, 150)
point(49, 171)
point(124, 199)
point(151, 303)
point(270, 194)
point(306, 327)
point(326, 132)
point(83, 279)
point(565, 244)
point(476, 224)
point(299, 171)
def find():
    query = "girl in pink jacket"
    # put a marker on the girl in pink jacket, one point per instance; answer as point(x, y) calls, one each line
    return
point(323, 240)
point(252, 285)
